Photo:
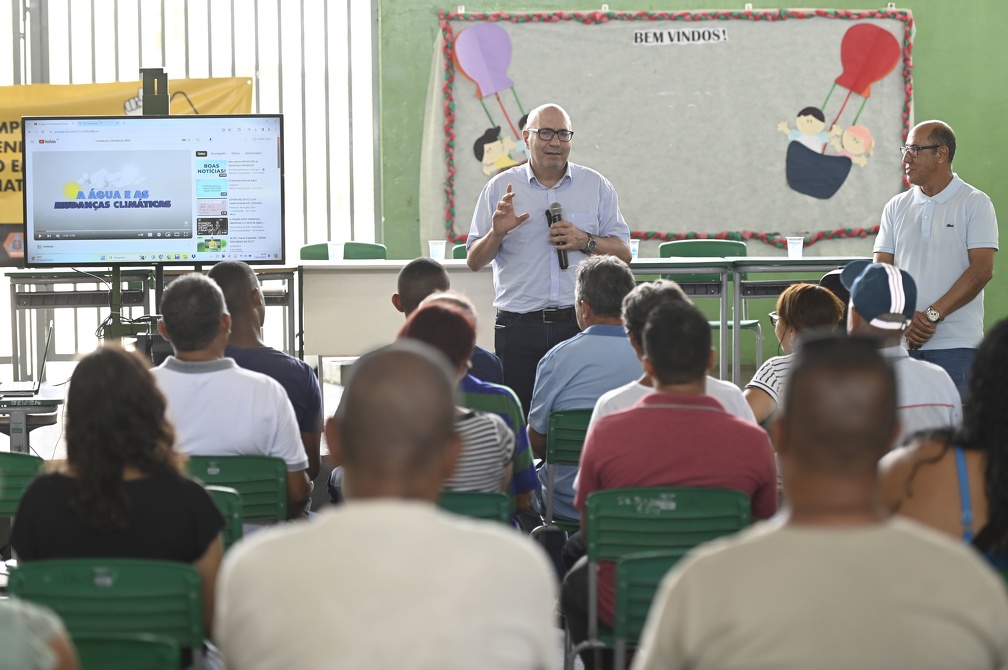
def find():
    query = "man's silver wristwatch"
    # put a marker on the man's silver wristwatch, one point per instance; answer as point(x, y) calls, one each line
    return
point(592, 243)
point(932, 315)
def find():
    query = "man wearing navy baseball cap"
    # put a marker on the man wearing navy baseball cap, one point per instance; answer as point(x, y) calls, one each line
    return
point(882, 305)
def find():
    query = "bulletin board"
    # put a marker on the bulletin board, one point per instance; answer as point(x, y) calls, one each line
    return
point(750, 125)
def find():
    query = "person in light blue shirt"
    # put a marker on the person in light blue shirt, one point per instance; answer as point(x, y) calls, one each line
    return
point(510, 229)
point(576, 372)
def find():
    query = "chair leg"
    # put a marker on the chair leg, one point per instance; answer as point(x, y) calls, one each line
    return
point(759, 346)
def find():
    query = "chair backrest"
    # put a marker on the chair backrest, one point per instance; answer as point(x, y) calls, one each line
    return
point(700, 248)
point(364, 251)
point(478, 505)
point(626, 521)
point(16, 472)
point(637, 579)
point(565, 435)
point(506, 405)
point(351, 251)
point(229, 502)
point(112, 651)
point(459, 252)
point(99, 596)
point(315, 252)
point(261, 481)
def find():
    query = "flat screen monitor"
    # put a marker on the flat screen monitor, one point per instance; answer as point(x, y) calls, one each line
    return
point(143, 190)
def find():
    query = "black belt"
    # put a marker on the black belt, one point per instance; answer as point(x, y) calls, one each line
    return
point(551, 315)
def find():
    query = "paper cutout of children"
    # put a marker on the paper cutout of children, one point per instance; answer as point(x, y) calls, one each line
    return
point(810, 129)
point(492, 150)
point(855, 143)
point(520, 153)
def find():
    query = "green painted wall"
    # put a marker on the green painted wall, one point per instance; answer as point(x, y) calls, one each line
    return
point(958, 77)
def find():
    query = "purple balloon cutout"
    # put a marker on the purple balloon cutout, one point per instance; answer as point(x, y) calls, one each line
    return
point(483, 53)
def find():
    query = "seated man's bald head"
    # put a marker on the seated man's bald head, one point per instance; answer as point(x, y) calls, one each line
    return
point(395, 420)
point(839, 407)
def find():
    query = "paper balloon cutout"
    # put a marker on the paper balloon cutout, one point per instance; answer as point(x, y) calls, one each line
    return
point(868, 53)
point(483, 54)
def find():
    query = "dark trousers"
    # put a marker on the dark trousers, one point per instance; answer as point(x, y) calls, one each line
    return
point(521, 341)
point(574, 601)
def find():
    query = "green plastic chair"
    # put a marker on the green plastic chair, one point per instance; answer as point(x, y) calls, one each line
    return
point(621, 522)
point(715, 249)
point(565, 436)
point(506, 405)
point(110, 651)
point(229, 502)
point(478, 505)
point(459, 252)
point(120, 596)
point(637, 579)
point(260, 480)
point(351, 251)
point(16, 472)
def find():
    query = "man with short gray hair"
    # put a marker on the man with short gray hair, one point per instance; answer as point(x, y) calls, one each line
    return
point(575, 373)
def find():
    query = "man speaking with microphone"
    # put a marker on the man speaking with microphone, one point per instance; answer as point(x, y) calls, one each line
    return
point(525, 217)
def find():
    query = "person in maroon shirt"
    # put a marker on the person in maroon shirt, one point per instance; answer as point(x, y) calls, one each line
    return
point(676, 436)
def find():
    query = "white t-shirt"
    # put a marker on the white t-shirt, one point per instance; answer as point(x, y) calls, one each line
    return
point(926, 397)
point(930, 238)
point(891, 595)
point(386, 584)
point(220, 409)
point(626, 396)
point(772, 375)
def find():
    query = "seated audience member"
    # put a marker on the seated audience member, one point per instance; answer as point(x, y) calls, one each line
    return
point(424, 276)
point(575, 373)
point(523, 473)
point(882, 306)
point(245, 303)
point(831, 582)
point(218, 408)
point(636, 307)
point(801, 308)
point(484, 462)
point(957, 481)
point(675, 436)
point(429, 589)
point(32, 637)
point(120, 494)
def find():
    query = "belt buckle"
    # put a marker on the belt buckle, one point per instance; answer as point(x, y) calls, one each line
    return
point(550, 315)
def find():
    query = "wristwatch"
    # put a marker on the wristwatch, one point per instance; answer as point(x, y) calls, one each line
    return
point(592, 243)
point(932, 315)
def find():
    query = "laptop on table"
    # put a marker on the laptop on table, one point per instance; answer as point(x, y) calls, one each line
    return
point(29, 388)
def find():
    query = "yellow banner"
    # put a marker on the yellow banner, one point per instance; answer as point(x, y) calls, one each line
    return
point(232, 95)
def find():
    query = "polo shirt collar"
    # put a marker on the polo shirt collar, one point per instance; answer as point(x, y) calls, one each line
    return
point(198, 367)
point(605, 330)
point(944, 196)
point(530, 175)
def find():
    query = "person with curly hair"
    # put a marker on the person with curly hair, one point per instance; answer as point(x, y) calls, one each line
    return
point(801, 308)
point(121, 493)
point(957, 481)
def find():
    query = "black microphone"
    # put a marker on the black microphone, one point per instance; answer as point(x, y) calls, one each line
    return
point(554, 214)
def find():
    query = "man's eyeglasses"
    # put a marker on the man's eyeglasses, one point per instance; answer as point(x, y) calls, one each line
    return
point(773, 319)
point(546, 134)
point(912, 149)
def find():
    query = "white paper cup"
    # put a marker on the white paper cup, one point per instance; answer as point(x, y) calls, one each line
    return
point(335, 251)
point(794, 247)
point(436, 248)
point(634, 249)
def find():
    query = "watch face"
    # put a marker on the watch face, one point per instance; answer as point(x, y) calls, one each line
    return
point(932, 314)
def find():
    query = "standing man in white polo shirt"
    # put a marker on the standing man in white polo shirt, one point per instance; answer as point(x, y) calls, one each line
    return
point(535, 296)
point(944, 233)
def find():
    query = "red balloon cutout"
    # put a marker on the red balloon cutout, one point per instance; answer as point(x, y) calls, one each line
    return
point(868, 53)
